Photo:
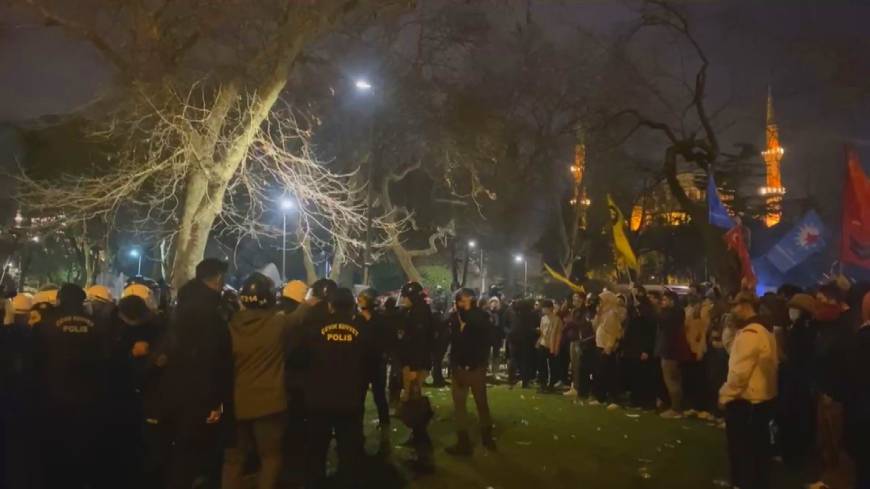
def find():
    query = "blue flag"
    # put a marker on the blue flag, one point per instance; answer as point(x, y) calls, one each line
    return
point(797, 245)
point(718, 214)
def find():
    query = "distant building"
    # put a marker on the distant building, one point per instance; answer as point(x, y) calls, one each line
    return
point(659, 206)
point(773, 190)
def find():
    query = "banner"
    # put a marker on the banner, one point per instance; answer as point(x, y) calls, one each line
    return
point(855, 237)
point(803, 240)
point(620, 241)
point(718, 214)
point(565, 280)
point(735, 241)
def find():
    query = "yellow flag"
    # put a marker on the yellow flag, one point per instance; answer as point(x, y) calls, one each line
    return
point(565, 280)
point(619, 239)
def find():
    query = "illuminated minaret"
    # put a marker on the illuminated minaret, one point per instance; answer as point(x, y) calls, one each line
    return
point(578, 169)
point(773, 189)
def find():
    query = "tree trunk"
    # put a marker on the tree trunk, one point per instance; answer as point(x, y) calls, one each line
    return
point(307, 257)
point(406, 261)
point(207, 183)
point(714, 245)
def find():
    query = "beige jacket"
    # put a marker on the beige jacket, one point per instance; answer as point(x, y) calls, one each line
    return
point(752, 367)
point(697, 325)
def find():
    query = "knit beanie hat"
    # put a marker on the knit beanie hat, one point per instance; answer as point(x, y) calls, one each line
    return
point(295, 290)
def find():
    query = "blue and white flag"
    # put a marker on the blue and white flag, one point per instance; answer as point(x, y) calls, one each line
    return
point(797, 245)
point(718, 214)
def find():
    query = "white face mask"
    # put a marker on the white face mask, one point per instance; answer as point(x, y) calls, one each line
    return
point(794, 314)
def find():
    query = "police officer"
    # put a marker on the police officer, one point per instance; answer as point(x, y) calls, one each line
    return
point(335, 351)
point(70, 353)
point(414, 354)
point(470, 341)
point(376, 369)
point(748, 396)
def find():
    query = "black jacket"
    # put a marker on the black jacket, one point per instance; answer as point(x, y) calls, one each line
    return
point(857, 401)
point(640, 333)
point(414, 337)
point(470, 339)
point(196, 357)
point(334, 350)
point(833, 340)
point(70, 353)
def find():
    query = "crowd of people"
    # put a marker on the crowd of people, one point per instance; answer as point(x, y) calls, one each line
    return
point(786, 374)
point(152, 393)
point(200, 390)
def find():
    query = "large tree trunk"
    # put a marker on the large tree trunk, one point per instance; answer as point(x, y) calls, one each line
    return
point(307, 257)
point(406, 261)
point(207, 183)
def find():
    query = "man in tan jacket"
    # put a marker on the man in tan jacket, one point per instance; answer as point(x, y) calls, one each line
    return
point(748, 396)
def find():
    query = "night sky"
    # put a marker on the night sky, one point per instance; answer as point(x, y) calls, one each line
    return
point(813, 54)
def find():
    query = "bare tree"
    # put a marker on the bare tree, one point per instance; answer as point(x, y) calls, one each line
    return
point(691, 135)
point(199, 79)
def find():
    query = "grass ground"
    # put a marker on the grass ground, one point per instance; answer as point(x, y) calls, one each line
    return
point(547, 441)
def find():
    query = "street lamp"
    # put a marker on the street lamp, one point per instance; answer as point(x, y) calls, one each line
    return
point(287, 205)
point(135, 253)
point(522, 259)
point(362, 85)
point(473, 244)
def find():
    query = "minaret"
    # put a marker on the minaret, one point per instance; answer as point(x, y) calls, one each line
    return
point(773, 189)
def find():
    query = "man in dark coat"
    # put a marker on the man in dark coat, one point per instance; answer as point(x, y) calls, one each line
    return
point(185, 407)
point(521, 338)
point(470, 341)
point(638, 348)
point(414, 339)
point(857, 402)
point(70, 358)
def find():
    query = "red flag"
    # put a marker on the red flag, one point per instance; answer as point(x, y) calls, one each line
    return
point(735, 242)
point(855, 239)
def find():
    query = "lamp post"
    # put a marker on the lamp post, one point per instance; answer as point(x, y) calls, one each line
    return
point(364, 87)
point(522, 259)
point(286, 206)
point(135, 253)
point(473, 244)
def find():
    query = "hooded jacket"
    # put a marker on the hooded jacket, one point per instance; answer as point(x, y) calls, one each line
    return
point(259, 338)
point(608, 322)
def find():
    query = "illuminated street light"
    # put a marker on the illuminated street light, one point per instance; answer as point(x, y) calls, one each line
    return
point(521, 259)
point(362, 85)
point(471, 245)
point(135, 253)
point(35, 239)
point(287, 205)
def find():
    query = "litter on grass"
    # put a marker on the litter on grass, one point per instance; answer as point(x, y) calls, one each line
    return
point(631, 415)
